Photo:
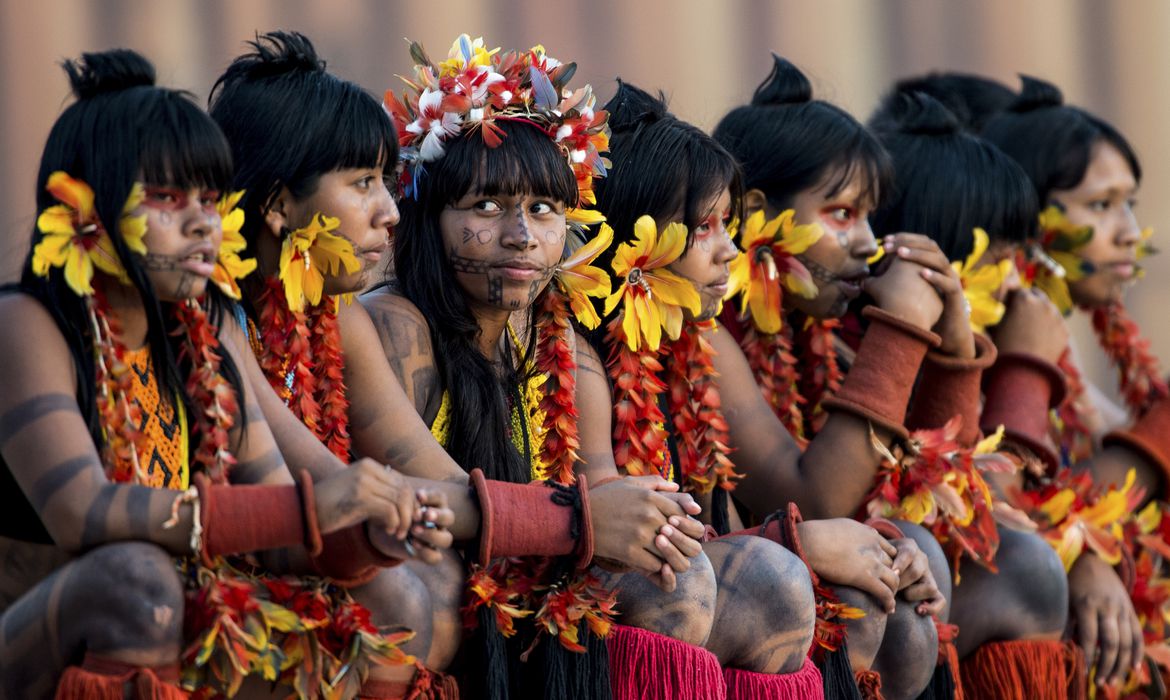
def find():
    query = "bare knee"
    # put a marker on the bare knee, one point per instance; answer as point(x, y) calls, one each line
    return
point(445, 583)
point(766, 612)
point(686, 614)
point(127, 597)
point(863, 635)
point(908, 654)
point(396, 598)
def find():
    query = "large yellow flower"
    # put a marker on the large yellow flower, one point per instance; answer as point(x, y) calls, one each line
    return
point(581, 280)
point(1097, 526)
point(228, 265)
point(982, 282)
point(769, 265)
point(74, 239)
point(654, 297)
point(310, 253)
point(1058, 261)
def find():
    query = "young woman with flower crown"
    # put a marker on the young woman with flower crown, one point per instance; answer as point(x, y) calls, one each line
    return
point(477, 324)
point(130, 469)
point(1086, 175)
point(670, 171)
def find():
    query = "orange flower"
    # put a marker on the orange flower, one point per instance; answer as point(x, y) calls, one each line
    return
point(768, 265)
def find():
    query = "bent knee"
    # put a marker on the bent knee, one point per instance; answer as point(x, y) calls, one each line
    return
point(908, 654)
point(1038, 580)
point(863, 635)
point(686, 614)
point(132, 594)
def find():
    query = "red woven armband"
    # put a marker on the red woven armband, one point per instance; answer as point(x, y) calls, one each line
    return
point(1149, 436)
point(879, 383)
point(1019, 389)
point(349, 558)
point(248, 518)
point(522, 520)
point(950, 386)
point(886, 528)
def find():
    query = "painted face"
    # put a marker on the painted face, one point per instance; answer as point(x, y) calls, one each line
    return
point(1104, 200)
point(707, 262)
point(838, 260)
point(504, 248)
point(360, 199)
point(183, 233)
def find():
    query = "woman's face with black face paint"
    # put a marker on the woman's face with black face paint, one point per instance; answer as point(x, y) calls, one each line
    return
point(504, 248)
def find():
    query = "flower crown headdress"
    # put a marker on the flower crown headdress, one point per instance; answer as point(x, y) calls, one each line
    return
point(475, 88)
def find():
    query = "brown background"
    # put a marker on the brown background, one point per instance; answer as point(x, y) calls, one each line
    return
point(1112, 57)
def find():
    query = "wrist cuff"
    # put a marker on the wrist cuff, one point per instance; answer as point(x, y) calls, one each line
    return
point(878, 385)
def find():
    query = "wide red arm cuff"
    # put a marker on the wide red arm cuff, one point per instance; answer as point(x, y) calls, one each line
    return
point(1019, 389)
point(522, 520)
point(240, 518)
point(878, 385)
point(950, 386)
point(1149, 436)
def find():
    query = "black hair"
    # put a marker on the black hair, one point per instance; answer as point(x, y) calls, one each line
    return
point(289, 122)
point(947, 181)
point(122, 129)
point(787, 142)
point(661, 166)
point(1053, 141)
point(973, 99)
point(527, 161)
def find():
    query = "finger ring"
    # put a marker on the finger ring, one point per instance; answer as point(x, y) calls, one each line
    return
point(409, 545)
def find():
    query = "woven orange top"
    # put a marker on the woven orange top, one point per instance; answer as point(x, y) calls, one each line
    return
point(163, 448)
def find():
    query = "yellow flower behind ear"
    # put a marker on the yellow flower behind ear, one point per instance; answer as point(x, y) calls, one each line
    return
point(229, 267)
point(581, 280)
point(310, 253)
point(1060, 261)
point(74, 240)
point(982, 282)
point(653, 297)
point(769, 265)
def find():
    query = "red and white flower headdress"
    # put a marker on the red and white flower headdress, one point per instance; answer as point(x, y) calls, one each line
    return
point(475, 88)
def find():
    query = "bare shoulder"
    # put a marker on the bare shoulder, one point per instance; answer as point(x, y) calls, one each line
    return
point(31, 339)
point(405, 336)
point(586, 356)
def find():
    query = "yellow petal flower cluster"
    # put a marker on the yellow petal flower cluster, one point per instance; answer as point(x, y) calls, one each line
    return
point(309, 254)
point(229, 267)
point(653, 298)
point(73, 237)
point(768, 265)
point(581, 279)
point(981, 283)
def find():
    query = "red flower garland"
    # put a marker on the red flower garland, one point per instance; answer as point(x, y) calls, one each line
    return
point(118, 415)
point(822, 374)
point(554, 359)
point(307, 345)
point(1073, 435)
point(214, 395)
point(696, 409)
point(639, 432)
point(1139, 377)
point(774, 367)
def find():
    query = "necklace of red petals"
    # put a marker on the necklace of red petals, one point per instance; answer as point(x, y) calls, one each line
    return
point(639, 433)
point(795, 396)
point(304, 363)
point(558, 401)
point(697, 412)
point(214, 396)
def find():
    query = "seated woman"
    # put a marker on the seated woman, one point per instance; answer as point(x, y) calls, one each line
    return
point(799, 154)
point(480, 243)
point(670, 196)
point(135, 455)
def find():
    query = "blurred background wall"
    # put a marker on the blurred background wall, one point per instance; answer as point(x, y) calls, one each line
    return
point(1110, 57)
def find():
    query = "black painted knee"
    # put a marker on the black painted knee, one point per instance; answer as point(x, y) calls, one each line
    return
point(1039, 584)
point(686, 614)
point(908, 654)
point(396, 598)
point(125, 596)
point(766, 611)
point(864, 635)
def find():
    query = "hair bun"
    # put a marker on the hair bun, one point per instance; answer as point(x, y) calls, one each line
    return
point(108, 71)
point(284, 52)
point(786, 84)
point(1036, 94)
point(920, 114)
point(631, 107)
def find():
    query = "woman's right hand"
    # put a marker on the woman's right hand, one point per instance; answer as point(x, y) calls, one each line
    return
point(849, 553)
point(1032, 324)
point(904, 291)
point(644, 524)
point(367, 490)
